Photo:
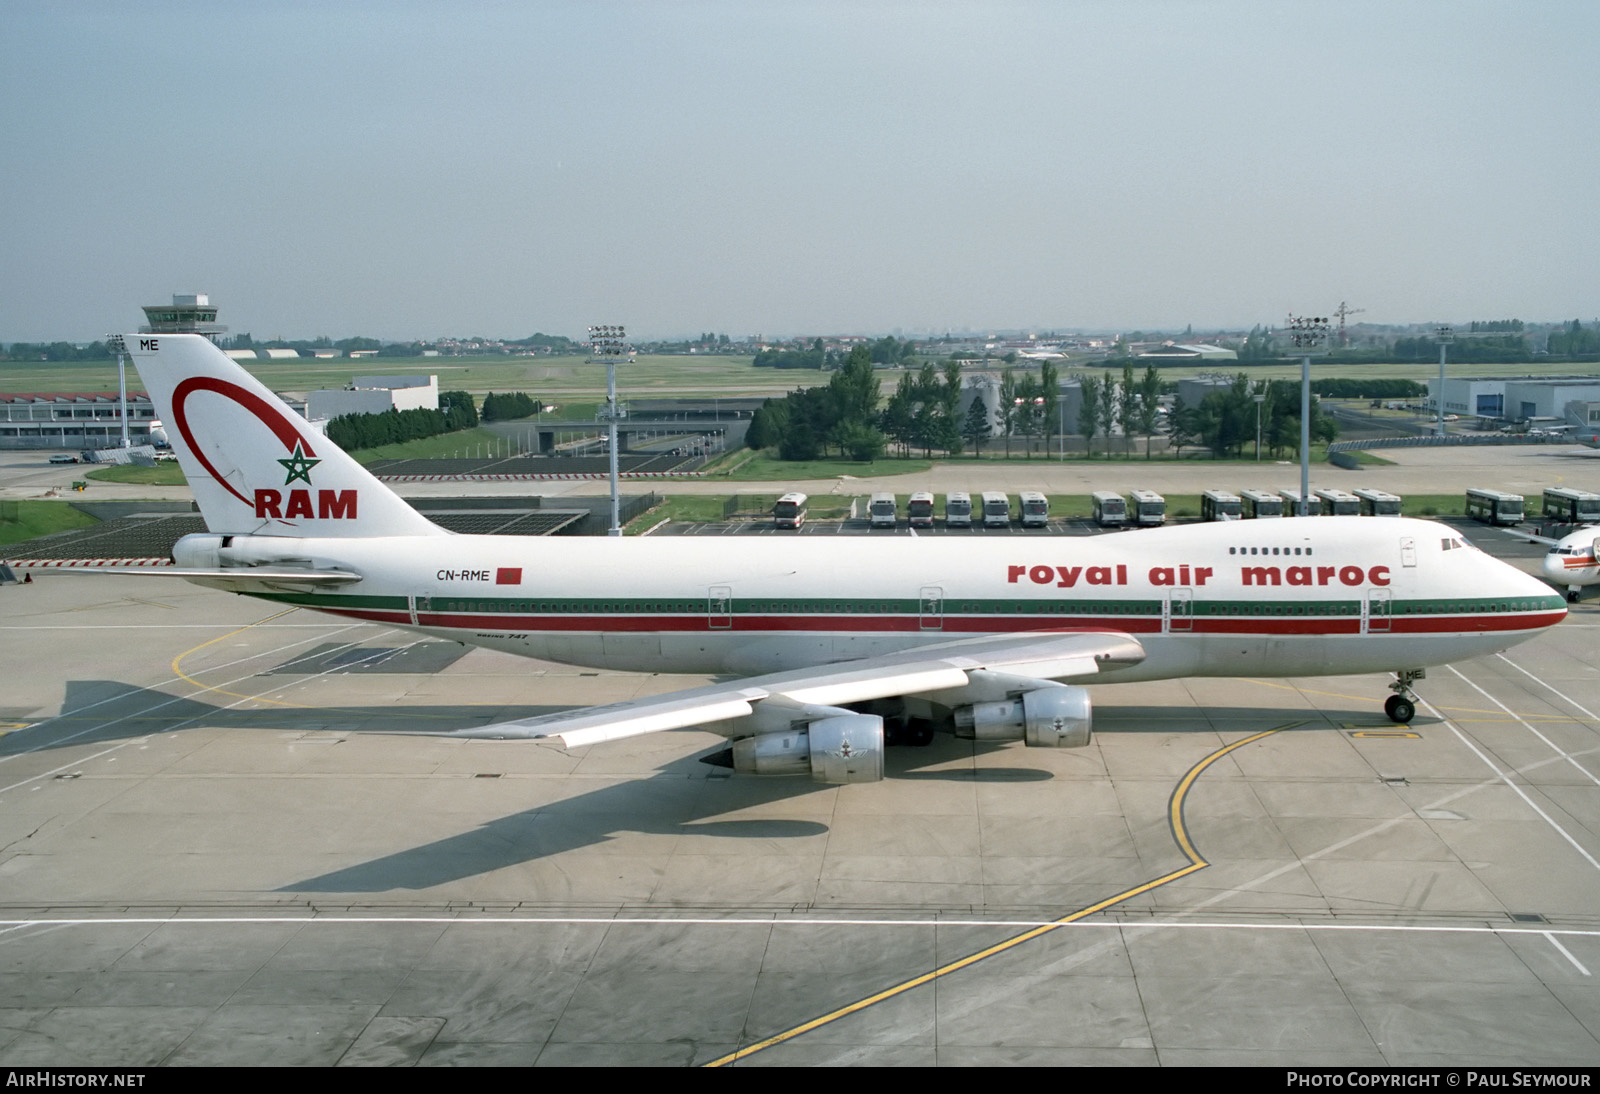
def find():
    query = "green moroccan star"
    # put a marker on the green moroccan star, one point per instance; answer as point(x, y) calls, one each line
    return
point(298, 466)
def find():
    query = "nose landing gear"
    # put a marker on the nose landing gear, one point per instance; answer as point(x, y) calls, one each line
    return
point(1401, 707)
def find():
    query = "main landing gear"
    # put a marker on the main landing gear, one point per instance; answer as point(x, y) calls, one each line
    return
point(1401, 707)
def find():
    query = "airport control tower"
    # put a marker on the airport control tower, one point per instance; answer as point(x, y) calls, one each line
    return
point(191, 313)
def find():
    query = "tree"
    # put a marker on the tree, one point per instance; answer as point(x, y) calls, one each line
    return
point(1127, 406)
point(1181, 429)
point(1050, 388)
point(976, 427)
point(1089, 412)
point(1108, 408)
point(1149, 405)
point(1008, 405)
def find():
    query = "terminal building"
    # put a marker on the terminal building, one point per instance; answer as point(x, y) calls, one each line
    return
point(374, 395)
point(1576, 400)
point(76, 420)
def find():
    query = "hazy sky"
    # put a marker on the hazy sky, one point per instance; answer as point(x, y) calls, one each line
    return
point(422, 169)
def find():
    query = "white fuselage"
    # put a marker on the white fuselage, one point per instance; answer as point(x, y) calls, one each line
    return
point(1311, 596)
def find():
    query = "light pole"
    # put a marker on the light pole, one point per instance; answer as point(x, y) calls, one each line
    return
point(1444, 336)
point(608, 344)
point(114, 341)
point(1308, 335)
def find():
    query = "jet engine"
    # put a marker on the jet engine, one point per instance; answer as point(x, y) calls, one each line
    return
point(843, 749)
point(1059, 717)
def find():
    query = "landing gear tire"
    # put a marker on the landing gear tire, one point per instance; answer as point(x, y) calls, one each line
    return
point(1401, 707)
point(919, 733)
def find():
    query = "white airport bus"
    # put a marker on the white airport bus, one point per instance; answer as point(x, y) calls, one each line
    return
point(1260, 503)
point(1221, 505)
point(1291, 504)
point(958, 510)
point(790, 512)
point(919, 510)
point(1379, 503)
point(882, 510)
point(1110, 510)
point(1570, 506)
point(1149, 508)
point(996, 509)
point(1337, 503)
point(1494, 506)
point(1035, 509)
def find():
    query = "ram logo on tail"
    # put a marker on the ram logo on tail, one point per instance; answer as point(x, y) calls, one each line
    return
point(255, 466)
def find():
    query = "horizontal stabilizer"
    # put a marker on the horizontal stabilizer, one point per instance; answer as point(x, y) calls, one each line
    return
point(233, 574)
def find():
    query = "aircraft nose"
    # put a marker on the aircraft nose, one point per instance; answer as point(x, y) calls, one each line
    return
point(1553, 568)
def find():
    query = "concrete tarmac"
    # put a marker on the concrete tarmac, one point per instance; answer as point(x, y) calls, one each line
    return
point(217, 848)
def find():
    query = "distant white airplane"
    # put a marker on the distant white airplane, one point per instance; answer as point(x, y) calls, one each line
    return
point(826, 637)
point(1571, 562)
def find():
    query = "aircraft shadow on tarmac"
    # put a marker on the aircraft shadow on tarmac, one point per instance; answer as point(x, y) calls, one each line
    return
point(672, 801)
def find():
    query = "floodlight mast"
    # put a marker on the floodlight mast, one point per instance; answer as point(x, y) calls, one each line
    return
point(1308, 335)
point(608, 344)
point(1444, 335)
point(114, 342)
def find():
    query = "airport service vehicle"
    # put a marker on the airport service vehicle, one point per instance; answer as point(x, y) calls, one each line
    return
point(919, 510)
point(1149, 509)
point(958, 510)
point(1561, 503)
point(883, 511)
point(790, 512)
point(1291, 504)
point(1220, 505)
point(1379, 503)
point(833, 643)
point(1260, 504)
point(996, 509)
point(1494, 506)
point(1035, 509)
point(1337, 503)
point(1108, 509)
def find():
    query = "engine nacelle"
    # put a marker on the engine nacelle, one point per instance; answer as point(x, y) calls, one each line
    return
point(209, 551)
point(1045, 718)
point(845, 749)
point(200, 551)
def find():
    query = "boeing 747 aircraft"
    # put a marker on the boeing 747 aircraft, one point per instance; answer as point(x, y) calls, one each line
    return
point(825, 638)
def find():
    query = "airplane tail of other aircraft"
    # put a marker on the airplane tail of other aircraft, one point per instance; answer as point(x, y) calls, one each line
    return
point(257, 467)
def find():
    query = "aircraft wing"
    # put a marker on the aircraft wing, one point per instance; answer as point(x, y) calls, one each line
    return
point(933, 668)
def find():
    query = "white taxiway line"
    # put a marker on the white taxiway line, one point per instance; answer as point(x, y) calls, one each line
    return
point(1506, 779)
point(1557, 749)
point(1566, 953)
point(775, 919)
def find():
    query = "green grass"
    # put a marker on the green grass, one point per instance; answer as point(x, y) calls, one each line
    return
point(764, 467)
point(556, 379)
point(24, 520)
point(165, 473)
